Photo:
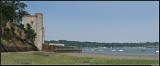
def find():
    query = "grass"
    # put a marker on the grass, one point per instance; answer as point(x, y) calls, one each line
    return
point(41, 58)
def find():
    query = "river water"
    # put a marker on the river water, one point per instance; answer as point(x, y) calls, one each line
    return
point(130, 50)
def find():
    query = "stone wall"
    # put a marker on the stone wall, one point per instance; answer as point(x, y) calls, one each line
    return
point(53, 48)
point(17, 49)
point(36, 22)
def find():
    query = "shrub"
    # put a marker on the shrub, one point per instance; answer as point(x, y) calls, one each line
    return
point(2, 44)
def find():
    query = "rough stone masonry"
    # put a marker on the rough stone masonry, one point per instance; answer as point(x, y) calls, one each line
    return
point(36, 22)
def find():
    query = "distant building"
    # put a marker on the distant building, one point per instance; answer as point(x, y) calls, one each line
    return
point(56, 44)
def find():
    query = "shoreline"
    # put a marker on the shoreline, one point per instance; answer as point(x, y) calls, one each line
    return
point(123, 54)
point(114, 56)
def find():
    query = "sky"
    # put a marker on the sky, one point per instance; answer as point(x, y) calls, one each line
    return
point(99, 21)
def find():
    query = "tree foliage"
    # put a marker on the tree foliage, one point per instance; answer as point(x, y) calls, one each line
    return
point(30, 33)
point(13, 11)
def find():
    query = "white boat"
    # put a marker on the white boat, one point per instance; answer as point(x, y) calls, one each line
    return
point(157, 51)
point(113, 50)
point(120, 50)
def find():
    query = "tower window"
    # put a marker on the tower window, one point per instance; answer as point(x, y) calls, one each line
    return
point(32, 22)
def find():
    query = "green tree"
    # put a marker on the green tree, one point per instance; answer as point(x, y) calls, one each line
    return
point(12, 11)
point(30, 33)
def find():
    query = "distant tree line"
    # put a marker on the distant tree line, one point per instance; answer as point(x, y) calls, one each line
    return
point(98, 44)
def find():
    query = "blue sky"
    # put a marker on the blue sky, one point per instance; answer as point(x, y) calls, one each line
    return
point(98, 21)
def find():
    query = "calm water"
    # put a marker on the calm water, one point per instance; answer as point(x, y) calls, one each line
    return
point(133, 50)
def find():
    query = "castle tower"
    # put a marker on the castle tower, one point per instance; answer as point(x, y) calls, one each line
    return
point(36, 22)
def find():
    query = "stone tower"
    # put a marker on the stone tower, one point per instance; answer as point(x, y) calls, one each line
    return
point(36, 22)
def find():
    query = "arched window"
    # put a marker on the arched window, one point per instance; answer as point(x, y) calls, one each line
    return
point(32, 22)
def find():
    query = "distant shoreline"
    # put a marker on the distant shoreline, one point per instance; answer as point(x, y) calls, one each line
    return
point(126, 47)
point(123, 54)
point(114, 56)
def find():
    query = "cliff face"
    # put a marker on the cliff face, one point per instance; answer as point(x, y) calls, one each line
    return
point(14, 39)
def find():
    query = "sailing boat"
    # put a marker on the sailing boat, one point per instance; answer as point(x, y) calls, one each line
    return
point(92, 49)
point(113, 48)
point(120, 50)
point(100, 48)
point(143, 48)
point(158, 49)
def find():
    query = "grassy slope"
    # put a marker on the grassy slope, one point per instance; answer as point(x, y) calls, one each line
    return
point(13, 41)
point(41, 59)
